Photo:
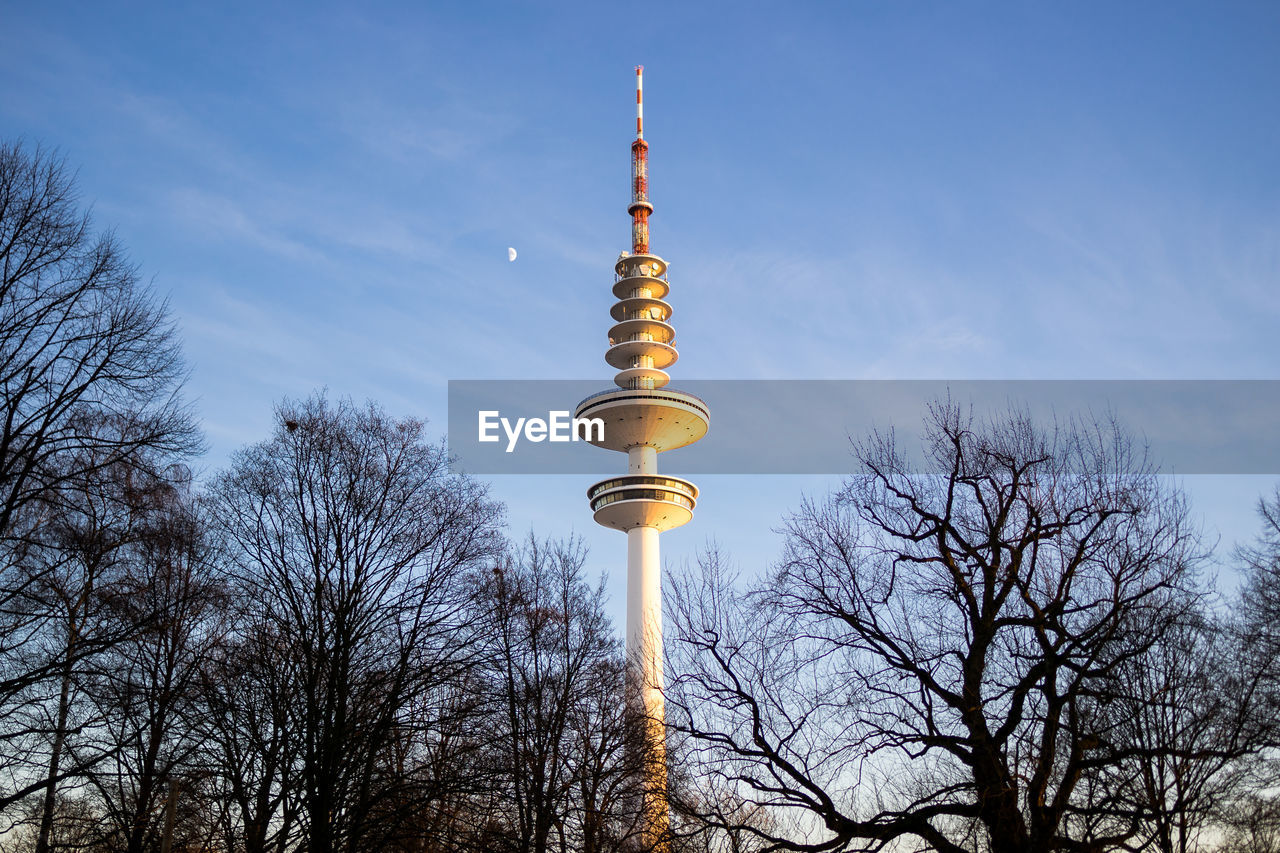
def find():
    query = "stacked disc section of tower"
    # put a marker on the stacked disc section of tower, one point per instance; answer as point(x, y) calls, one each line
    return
point(644, 417)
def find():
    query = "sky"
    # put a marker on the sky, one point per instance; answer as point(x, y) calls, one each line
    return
point(326, 193)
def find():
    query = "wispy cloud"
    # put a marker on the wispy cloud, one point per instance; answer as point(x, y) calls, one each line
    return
point(221, 217)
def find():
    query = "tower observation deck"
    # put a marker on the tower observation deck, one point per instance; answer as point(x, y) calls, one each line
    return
point(643, 417)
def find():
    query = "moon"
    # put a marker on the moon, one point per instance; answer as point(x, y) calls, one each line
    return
point(511, 254)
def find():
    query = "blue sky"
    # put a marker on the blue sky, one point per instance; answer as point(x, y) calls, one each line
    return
point(845, 190)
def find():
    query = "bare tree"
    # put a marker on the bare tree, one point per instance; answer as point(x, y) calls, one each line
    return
point(609, 755)
point(557, 675)
point(348, 536)
point(90, 373)
point(250, 743)
point(1187, 709)
point(1252, 819)
point(933, 659)
point(150, 687)
point(92, 570)
point(709, 816)
point(76, 827)
point(1259, 608)
point(1252, 825)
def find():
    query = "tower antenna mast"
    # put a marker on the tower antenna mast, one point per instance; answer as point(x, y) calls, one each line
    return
point(640, 207)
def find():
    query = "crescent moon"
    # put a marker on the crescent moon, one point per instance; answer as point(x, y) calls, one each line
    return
point(511, 254)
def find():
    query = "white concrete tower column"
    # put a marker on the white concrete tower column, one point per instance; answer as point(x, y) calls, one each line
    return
point(642, 459)
point(644, 616)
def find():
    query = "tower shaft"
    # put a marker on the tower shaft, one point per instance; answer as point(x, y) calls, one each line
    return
point(644, 616)
point(645, 685)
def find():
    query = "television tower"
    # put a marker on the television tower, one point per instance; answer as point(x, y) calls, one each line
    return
point(642, 418)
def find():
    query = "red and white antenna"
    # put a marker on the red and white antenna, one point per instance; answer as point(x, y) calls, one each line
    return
point(639, 102)
point(640, 207)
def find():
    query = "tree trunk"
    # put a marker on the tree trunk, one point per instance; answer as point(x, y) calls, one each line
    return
point(55, 756)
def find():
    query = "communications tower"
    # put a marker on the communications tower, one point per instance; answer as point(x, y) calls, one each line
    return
point(643, 417)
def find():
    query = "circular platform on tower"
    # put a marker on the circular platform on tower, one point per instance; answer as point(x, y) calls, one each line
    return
point(643, 500)
point(641, 306)
point(663, 419)
point(640, 277)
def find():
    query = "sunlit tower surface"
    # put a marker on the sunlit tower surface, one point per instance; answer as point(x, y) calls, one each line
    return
point(643, 417)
